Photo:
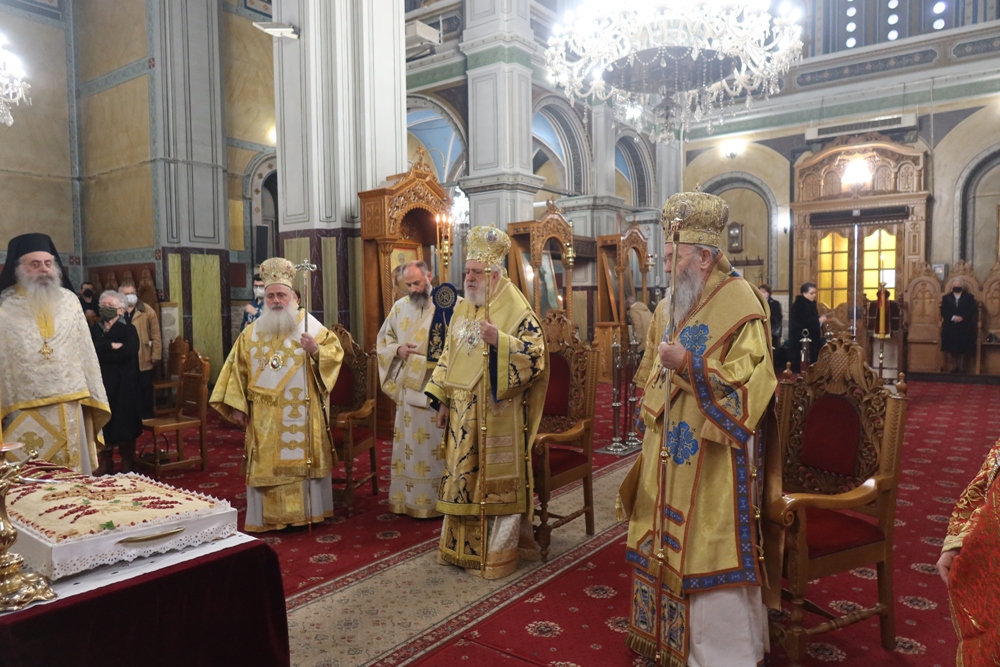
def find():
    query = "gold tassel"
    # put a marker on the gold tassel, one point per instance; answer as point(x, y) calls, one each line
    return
point(500, 486)
point(267, 399)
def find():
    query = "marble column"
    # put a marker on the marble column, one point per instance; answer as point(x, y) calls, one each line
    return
point(341, 129)
point(499, 44)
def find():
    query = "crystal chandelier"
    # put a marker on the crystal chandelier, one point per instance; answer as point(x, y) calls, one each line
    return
point(666, 64)
point(13, 87)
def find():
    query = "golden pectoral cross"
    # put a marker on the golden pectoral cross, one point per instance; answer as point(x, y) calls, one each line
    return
point(46, 350)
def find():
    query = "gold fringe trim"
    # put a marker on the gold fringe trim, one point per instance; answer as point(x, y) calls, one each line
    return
point(254, 396)
point(648, 648)
point(461, 561)
point(498, 486)
point(619, 509)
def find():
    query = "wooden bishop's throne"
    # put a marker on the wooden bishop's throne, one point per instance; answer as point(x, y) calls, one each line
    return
point(831, 473)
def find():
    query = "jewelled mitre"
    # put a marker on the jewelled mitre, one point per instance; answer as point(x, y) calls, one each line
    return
point(277, 271)
point(487, 245)
point(703, 217)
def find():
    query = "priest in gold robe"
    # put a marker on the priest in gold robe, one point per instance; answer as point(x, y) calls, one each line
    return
point(492, 369)
point(276, 382)
point(691, 496)
point(408, 345)
point(53, 395)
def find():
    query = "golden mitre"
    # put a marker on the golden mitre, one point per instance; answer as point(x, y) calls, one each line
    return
point(487, 245)
point(703, 217)
point(277, 271)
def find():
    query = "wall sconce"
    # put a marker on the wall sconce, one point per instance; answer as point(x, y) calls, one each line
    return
point(732, 147)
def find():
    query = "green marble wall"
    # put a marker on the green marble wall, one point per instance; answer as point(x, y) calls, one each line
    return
point(206, 313)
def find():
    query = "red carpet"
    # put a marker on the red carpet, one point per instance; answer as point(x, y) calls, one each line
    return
point(574, 610)
point(370, 540)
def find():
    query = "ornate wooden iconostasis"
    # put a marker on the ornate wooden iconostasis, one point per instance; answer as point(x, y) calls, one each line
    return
point(541, 261)
point(399, 223)
point(860, 214)
point(622, 261)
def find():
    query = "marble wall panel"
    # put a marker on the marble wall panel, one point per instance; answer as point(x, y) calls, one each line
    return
point(206, 314)
point(39, 205)
point(109, 34)
point(295, 251)
point(114, 127)
point(236, 223)
point(38, 142)
point(248, 59)
point(118, 210)
point(954, 156)
point(330, 297)
point(175, 284)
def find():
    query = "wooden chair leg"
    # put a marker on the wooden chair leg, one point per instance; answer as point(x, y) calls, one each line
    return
point(204, 445)
point(588, 501)
point(887, 620)
point(374, 460)
point(543, 534)
point(349, 478)
point(180, 445)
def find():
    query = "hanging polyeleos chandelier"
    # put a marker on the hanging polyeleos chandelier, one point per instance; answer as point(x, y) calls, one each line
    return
point(13, 87)
point(666, 64)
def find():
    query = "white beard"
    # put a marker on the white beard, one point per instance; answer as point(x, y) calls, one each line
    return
point(687, 292)
point(475, 295)
point(276, 324)
point(43, 291)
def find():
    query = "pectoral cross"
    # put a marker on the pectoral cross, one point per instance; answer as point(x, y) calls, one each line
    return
point(46, 350)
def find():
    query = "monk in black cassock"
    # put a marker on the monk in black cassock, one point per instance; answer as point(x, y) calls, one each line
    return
point(959, 315)
point(117, 345)
point(805, 315)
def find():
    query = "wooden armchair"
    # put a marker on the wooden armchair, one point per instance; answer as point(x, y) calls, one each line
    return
point(831, 473)
point(563, 449)
point(353, 415)
point(167, 386)
point(190, 412)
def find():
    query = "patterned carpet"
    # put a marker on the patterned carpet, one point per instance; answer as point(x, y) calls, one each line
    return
point(570, 611)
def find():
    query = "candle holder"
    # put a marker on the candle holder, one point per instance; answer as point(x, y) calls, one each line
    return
point(444, 244)
point(17, 589)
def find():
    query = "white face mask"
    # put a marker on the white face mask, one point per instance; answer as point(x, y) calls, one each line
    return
point(258, 292)
point(131, 299)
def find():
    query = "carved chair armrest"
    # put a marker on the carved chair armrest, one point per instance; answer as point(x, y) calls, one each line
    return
point(344, 419)
point(543, 440)
point(783, 510)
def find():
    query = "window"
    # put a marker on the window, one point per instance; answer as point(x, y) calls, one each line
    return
point(879, 263)
point(832, 279)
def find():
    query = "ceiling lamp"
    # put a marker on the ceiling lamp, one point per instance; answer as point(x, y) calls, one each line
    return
point(13, 88)
point(665, 64)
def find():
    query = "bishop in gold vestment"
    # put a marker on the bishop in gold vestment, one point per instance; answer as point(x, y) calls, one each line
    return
point(266, 385)
point(509, 394)
point(692, 539)
point(53, 395)
point(404, 366)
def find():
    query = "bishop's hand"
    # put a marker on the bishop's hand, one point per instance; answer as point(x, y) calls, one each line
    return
point(488, 332)
point(309, 344)
point(671, 355)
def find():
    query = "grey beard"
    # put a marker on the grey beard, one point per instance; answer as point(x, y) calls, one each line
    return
point(43, 292)
point(419, 300)
point(278, 324)
point(687, 292)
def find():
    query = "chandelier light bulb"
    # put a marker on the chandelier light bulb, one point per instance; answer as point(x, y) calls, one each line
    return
point(679, 61)
point(13, 87)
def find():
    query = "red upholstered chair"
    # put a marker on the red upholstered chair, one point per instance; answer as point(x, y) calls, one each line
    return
point(352, 415)
point(563, 449)
point(830, 479)
point(190, 412)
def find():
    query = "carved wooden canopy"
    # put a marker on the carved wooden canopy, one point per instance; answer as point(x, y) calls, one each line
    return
point(383, 209)
point(533, 236)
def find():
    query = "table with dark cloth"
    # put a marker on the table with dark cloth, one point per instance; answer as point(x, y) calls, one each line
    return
point(224, 608)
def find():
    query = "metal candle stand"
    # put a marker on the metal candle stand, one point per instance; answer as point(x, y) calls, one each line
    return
point(622, 371)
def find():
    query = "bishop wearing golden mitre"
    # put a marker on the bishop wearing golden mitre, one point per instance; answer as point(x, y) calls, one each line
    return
point(283, 358)
point(506, 388)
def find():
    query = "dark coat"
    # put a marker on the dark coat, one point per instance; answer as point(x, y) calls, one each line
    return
point(776, 317)
point(804, 315)
point(120, 369)
point(959, 337)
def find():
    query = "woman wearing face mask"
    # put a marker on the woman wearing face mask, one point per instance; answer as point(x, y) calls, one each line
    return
point(141, 316)
point(252, 311)
point(959, 313)
point(117, 345)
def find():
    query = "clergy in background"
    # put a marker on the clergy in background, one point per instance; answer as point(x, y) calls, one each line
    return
point(692, 544)
point(53, 395)
point(269, 386)
point(409, 343)
point(507, 388)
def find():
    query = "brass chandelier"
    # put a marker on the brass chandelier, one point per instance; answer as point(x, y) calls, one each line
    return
point(667, 64)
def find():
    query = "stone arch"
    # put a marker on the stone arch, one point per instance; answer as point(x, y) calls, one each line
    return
point(460, 166)
point(641, 162)
point(258, 170)
point(566, 121)
point(742, 180)
point(965, 205)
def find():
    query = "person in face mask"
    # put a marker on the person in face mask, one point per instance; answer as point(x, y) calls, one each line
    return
point(117, 346)
point(959, 313)
point(142, 316)
point(254, 308)
point(88, 301)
